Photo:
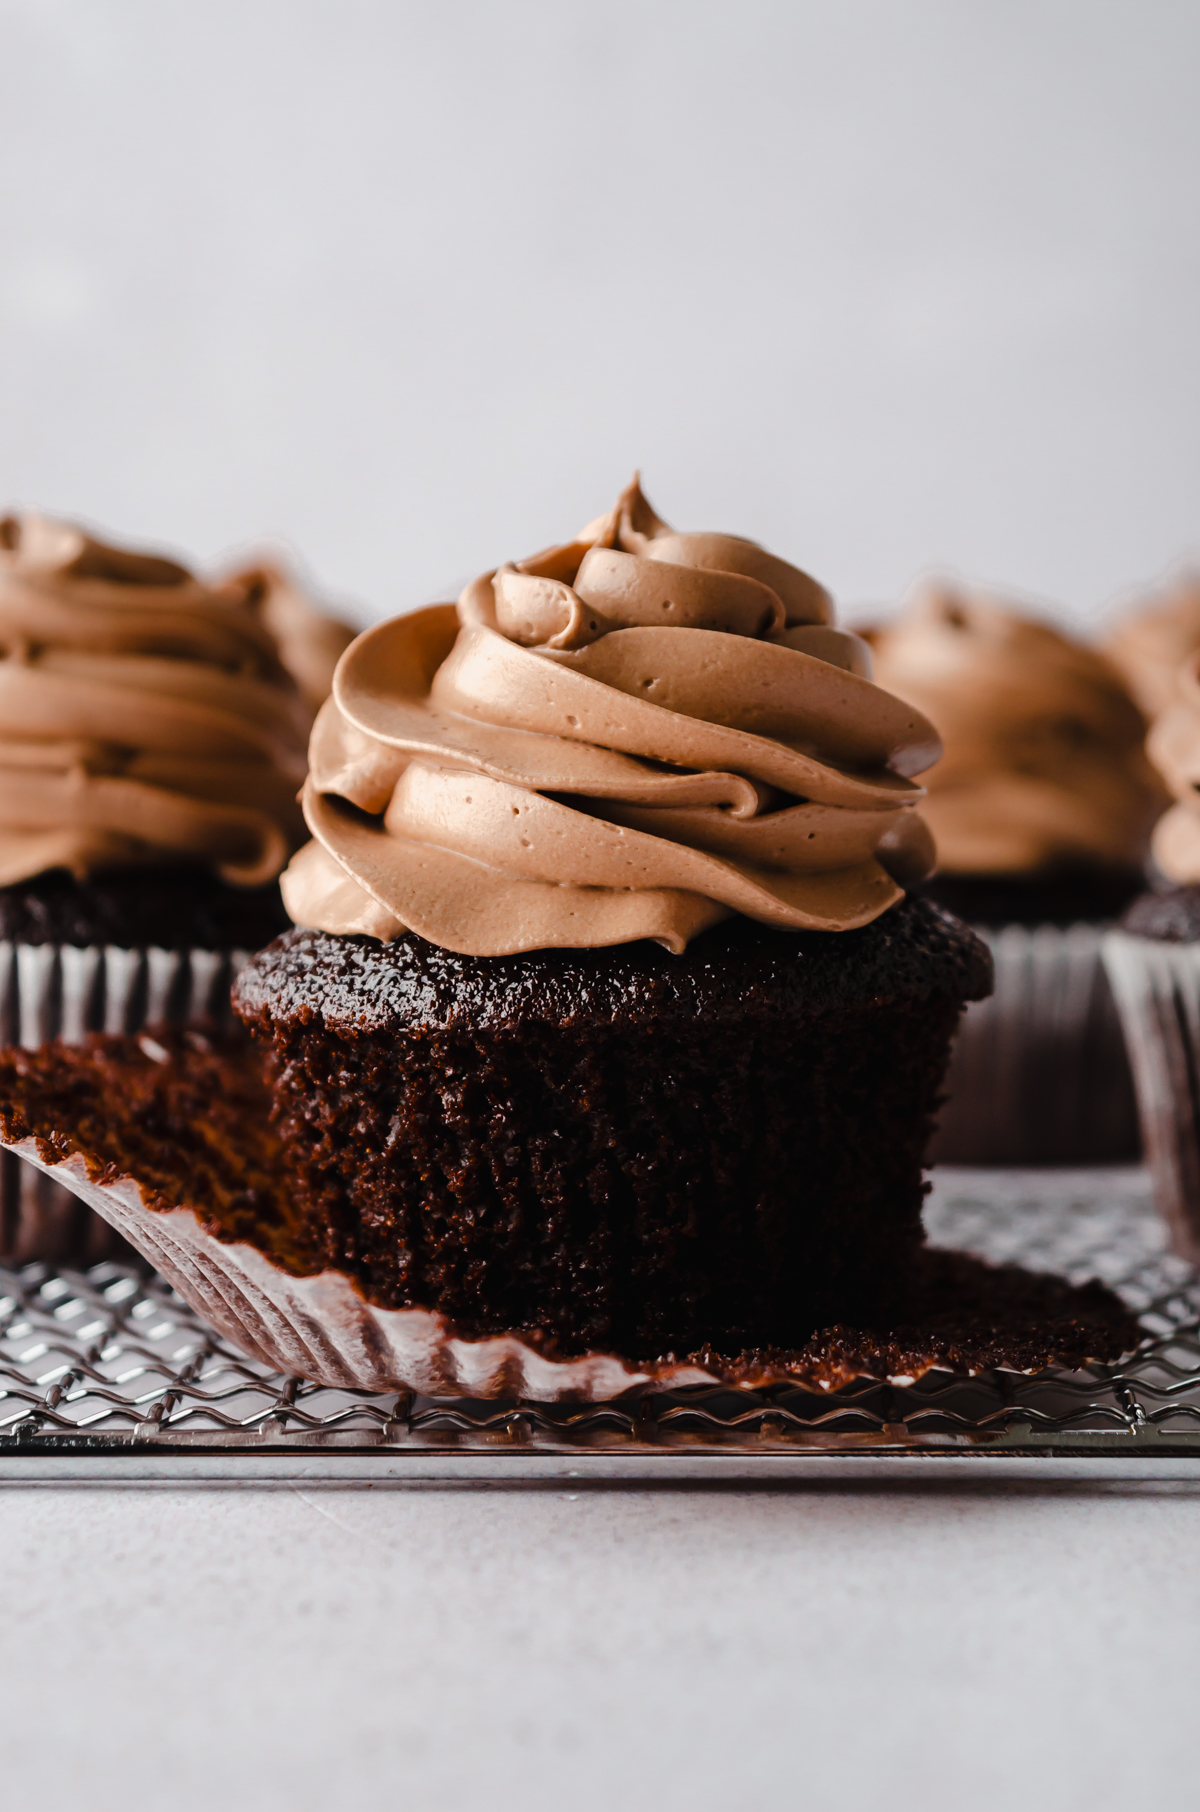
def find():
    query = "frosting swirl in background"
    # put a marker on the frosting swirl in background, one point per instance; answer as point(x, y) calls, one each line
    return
point(1044, 766)
point(1150, 643)
point(144, 716)
point(1174, 747)
point(309, 642)
point(632, 735)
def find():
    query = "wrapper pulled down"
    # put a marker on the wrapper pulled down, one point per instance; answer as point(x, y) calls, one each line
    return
point(66, 992)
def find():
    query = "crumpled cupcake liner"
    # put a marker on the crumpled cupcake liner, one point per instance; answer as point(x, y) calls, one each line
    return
point(64, 991)
point(1157, 989)
point(322, 1328)
point(1038, 1072)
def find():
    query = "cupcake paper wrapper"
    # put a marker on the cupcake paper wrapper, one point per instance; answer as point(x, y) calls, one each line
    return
point(62, 991)
point(321, 1328)
point(1038, 1072)
point(1157, 989)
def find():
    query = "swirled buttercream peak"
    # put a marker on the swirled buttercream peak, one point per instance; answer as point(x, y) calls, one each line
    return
point(144, 716)
point(630, 735)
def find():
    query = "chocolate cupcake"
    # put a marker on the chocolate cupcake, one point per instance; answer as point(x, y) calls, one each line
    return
point(622, 1148)
point(607, 1027)
point(1153, 962)
point(1041, 807)
point(152, 749)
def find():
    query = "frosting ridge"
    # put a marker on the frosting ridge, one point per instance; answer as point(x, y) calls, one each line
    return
point(633, 734)
point(1044, 765)
point(146, 716)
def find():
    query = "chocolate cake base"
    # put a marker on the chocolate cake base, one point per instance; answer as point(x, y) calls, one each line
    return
point(176, 906)
point(1062, 896)
point(189, 1122)
point(618, 1148)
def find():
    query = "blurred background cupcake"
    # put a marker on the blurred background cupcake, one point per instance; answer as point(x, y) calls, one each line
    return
point(1153, 961)
point(1151, 640)
point(1042, 808)
point(310, 642)
point(153, 742)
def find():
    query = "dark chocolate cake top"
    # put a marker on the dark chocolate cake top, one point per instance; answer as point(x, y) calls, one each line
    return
point(177, 906)
point(914, 952)
point(1171, 914)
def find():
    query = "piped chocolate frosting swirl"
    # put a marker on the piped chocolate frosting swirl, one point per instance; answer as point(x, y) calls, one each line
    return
point(1044, 766)
point(631, 735)
point(144, 715)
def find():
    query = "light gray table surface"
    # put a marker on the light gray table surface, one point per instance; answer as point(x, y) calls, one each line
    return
point(824, 1647)
point(951, 1642)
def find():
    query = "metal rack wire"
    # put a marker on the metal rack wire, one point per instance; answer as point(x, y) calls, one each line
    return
point(106, 1373)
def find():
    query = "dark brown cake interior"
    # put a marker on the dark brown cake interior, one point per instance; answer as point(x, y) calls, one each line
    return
point(619, 1149)
point(177, 906)
point(188, 1116)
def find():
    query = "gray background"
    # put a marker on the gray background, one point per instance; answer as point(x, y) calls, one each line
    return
point(412, 287)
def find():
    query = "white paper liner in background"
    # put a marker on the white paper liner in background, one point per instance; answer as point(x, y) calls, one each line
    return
point(322, 1328)
point(1038, 1072)
point(1157, 989)
point(63, 991)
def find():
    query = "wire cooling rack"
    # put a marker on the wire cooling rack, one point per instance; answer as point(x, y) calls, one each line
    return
point(107, 1375)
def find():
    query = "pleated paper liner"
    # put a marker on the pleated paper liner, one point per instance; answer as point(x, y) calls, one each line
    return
point(1038, 1072)
point(1157, 989)
point(959, 1314)
point(64, 991)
